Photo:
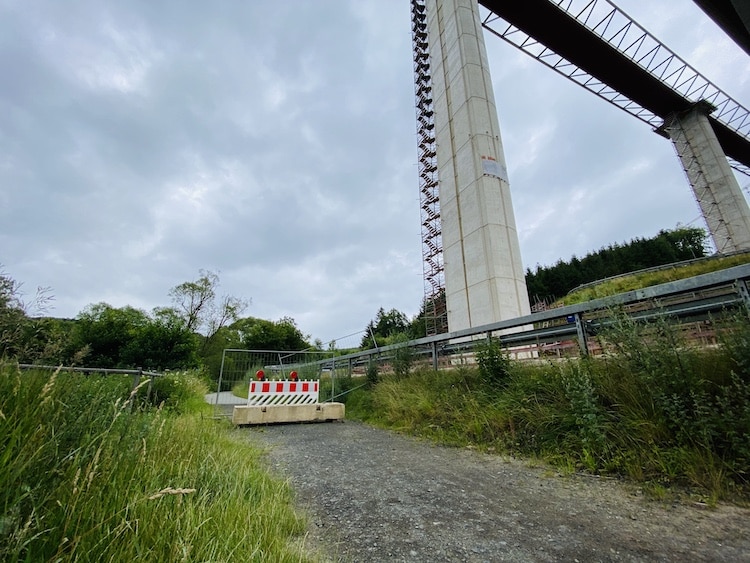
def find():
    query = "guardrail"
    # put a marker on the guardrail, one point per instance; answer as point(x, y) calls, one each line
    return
point(137, 374)
point(570, 327)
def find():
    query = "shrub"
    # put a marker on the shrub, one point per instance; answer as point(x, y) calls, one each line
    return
point(494, 363)
point(585, 411)
point(403, 355)
point(177, 391)
point(372, 372)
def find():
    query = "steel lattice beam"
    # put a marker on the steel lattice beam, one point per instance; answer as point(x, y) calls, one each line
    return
point(596, 45)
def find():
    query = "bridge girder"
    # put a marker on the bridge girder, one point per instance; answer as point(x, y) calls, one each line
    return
point(733, 16)
point(557, 30)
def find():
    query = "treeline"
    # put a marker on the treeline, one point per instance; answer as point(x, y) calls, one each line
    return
point(191, 332)
point(393, 327)
point(198, 324)
point(548, 283)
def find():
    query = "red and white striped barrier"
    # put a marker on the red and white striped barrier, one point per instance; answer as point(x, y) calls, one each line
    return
point(286, 392)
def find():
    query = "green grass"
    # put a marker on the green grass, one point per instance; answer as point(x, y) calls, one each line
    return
point(632, 282)
point(241, 389)
point(84, 478)
point(657, 412)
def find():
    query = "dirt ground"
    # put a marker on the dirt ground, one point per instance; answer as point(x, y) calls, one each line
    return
point(374, 495)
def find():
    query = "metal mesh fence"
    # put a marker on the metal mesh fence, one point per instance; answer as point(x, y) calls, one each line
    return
point(240, 367)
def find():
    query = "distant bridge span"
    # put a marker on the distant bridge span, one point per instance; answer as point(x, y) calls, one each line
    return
point(733, 16)
point(557, 30)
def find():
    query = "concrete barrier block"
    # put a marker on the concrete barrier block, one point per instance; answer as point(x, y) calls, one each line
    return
point(274, 414)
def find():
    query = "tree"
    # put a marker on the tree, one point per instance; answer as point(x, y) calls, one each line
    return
point(12, 318)
point(549, 283)
point(261, 334)
point(252, 334)
point(386, 325)
point(21, 336)
point(196, 302)
point(163, 343)
point(130, 338)
point(50, 342)
point(211, 352)
point(194, 299)
point(433, 315)
point(107, 331)
point(689, 242)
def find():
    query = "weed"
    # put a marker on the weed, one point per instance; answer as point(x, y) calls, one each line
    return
point(372, 372)
point(494, 364)
point(403, 356)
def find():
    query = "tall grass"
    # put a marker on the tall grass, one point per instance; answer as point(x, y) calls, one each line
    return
point(654, 410)
point(82, 478)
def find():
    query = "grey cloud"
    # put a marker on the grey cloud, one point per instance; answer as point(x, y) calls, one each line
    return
point(274, 143)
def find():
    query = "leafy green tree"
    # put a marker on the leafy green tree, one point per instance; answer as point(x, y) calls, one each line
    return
point(688, 242)
point(418, 325)
point(212, 351)
point(194, 299)
point(251, 333)
point(50, 342)
point(130, 338)
point(202, 309)
point(107, 332)
point(261, 334)
point(12, 319)
point(163, 343)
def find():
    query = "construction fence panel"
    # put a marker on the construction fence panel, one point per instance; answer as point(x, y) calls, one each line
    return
point(241, 367)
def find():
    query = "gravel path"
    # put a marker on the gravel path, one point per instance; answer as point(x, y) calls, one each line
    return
point(373, 495)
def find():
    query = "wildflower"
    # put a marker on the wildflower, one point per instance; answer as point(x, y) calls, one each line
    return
point(171, 491)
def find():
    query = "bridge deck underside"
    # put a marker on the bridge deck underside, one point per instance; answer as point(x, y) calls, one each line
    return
point(733, 16)
point(552, 27)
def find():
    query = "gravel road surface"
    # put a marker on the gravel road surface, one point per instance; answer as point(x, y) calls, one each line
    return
point(374, 495)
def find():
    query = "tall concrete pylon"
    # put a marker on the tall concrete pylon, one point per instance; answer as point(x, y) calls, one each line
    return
point(484, 274)
point(714, 185)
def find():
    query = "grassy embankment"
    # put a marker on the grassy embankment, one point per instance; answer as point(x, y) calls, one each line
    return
point(656, 411)
point(634, 281)
point(83, 477)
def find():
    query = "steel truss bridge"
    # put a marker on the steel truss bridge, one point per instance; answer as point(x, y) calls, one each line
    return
point(598, 46)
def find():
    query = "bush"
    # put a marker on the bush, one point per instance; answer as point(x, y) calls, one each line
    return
point(177, 391)
point(403, 355)
point(494, 364)
point(372, 372)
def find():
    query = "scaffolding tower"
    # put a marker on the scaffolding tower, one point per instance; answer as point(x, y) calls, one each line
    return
point(435, 312)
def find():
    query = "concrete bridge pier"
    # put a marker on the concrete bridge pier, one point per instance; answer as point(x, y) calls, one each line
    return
point(714, 185)
point(484, 275)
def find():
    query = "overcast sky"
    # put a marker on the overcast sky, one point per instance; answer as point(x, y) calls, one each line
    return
point(273, 143)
